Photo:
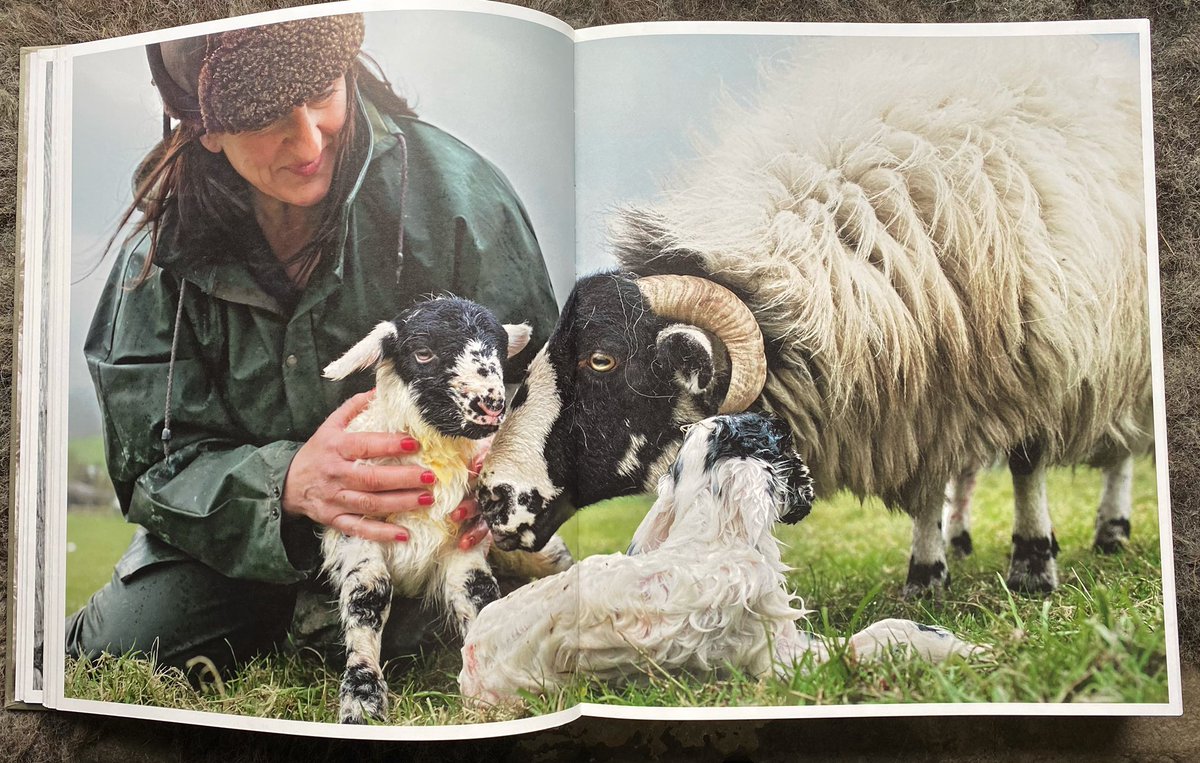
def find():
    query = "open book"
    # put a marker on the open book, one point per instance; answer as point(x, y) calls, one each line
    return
point(851, 403)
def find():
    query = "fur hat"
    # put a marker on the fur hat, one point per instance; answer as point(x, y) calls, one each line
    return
point(245, 79)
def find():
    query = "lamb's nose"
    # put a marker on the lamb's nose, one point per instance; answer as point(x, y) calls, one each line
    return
point(491, 406)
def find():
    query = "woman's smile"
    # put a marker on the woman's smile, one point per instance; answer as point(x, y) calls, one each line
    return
point(291, 160)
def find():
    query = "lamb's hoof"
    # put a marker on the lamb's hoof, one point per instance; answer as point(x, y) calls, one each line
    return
point(961, 544)
point(926, 580)
point(363, 695)
point(1111, 536)
point(1033, 570)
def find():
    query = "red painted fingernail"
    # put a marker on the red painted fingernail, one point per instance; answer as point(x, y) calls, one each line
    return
point(409, 445)
point(401, 537)
point(428, 477)
point(458, 514)
point(426, 499)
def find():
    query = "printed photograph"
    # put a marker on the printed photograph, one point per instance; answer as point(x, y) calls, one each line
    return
point(775, 373)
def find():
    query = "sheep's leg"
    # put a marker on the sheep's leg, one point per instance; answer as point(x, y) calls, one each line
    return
point(1116, 506)
point(927, 571)
point(1032, 569)
point(468, 586)
point(957, 511)
point(792, 645)
point(929, 642)
point(365, 598)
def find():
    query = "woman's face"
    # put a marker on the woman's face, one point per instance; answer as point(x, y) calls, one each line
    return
point(290, 160)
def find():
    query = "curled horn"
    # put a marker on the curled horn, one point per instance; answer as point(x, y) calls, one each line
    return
point(714, 308)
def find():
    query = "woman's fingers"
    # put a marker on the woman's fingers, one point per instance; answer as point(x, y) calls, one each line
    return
point(353, 446)
point(373, 478)
point(345, 413)
point(467, 510)
point(368, 529)
point(374, 504)
point(473, 534)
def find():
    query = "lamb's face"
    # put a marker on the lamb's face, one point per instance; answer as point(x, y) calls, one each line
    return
point(450, 353)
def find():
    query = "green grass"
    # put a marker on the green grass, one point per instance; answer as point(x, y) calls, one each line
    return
point(1098, 638)
point(96, 540)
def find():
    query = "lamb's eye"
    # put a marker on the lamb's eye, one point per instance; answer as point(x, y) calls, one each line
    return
point(602, 363)
point(424, 355)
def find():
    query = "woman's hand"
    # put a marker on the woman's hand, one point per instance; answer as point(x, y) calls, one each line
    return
point(327, 484)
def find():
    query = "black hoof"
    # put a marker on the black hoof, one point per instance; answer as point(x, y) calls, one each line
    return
point(1033, 570)
point(1111, 537)
point(926, 579)
point(961, 544)
point(363, 695)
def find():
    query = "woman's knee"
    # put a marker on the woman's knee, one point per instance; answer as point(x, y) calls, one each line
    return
point(180, 610)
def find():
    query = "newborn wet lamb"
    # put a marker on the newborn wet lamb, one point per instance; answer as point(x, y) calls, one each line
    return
point(439, 379)
point(702, 588)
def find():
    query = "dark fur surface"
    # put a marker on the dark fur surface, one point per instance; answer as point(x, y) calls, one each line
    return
point(443, 328)
point(1176, 45)
point(602, 412)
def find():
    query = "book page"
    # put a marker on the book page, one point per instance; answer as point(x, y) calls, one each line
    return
point(459, 182)
point(882, 200)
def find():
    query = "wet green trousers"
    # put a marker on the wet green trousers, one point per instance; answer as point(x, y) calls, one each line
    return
point(181, 609)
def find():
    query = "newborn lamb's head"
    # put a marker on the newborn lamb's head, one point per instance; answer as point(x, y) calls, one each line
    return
point(446, 356)
point(734, 477)
point(767, 442)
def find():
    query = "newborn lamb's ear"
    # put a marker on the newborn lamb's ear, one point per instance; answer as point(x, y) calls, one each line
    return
point(656, 525)
point(362, 355)
point(518, 336)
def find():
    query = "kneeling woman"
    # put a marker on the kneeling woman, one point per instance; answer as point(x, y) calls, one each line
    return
point(280, 219)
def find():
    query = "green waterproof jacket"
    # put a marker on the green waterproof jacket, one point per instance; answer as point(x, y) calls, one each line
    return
point(246, 389)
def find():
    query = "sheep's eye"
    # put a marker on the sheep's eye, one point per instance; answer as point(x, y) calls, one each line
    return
point(602, 363)
point(424, 355)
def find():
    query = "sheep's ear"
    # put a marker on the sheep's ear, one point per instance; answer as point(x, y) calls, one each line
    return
point(362, 355)
point(518, 336)
point(684, 354)
point(657, 523)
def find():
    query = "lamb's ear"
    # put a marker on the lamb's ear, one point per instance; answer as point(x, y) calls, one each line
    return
point(362, 355)
point(518, 336)
point(656, 525)
point(745, 503)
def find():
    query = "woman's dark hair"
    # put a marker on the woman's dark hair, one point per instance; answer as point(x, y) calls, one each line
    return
point(208, 201)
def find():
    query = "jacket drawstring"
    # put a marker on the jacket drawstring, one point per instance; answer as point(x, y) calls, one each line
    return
point(403, 190)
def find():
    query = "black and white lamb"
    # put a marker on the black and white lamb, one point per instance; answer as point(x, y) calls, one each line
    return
point(439, 378)
point(702, 588)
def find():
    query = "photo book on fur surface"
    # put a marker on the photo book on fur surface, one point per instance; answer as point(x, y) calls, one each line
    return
point(405, 370)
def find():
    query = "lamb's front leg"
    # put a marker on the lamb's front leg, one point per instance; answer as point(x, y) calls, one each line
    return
point(468, 585)
point(365, 597)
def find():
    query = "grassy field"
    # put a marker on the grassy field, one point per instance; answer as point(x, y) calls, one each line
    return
point(1099, 638)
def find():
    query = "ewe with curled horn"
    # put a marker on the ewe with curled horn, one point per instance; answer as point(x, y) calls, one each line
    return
point(630, 362)
point(946, 257)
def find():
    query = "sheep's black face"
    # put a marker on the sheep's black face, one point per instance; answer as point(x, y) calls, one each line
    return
point(450, 352)
point(601, 405)
point(766, 439)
